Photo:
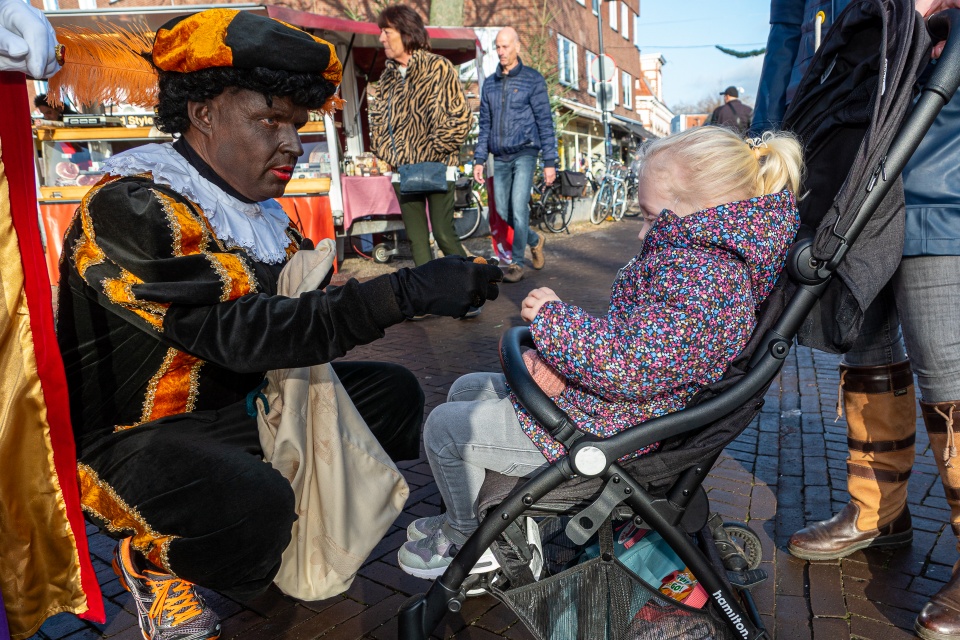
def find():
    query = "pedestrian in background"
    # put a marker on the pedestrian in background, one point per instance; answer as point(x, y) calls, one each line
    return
point(516, 126)
point(732, 113)
point(915, 313)
point(421, 115)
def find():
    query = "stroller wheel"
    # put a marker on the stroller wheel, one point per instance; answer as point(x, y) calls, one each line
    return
point(747, 542)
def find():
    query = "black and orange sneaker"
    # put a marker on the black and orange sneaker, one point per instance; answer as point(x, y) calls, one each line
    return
point(169, 608)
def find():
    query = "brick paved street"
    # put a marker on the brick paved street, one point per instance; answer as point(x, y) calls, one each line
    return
point(786, 469)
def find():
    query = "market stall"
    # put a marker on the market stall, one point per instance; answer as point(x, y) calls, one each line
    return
point(322, 199)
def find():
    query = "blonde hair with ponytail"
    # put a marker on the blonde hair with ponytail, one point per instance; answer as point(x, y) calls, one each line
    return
point(708, 166)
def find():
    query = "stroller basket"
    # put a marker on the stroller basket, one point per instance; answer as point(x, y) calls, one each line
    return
point(601, 599)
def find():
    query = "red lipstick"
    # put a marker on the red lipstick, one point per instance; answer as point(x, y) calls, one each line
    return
point(284, 173)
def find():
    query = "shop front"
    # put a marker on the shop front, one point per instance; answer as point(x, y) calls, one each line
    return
point(334, 181)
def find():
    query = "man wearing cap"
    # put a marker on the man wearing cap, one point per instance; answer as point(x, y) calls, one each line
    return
point(169, 317)
point(732, 114)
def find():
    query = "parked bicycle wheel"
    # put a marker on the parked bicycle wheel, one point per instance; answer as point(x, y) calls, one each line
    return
point(633, 206)
point(557, 211)
point(601, 203)
point(619, 201)
point(466, 219)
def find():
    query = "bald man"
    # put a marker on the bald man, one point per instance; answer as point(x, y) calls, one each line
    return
point(516, 126)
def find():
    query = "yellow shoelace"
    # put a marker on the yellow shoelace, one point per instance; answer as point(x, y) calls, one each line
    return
point(175, 598)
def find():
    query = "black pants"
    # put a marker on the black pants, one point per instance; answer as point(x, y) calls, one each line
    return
point(199, 501)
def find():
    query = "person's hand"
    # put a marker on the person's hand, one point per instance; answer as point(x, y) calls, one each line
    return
point(546, 377)
point(927, 8)
point(27, 41)
point(478, 173)
point(446, 287)
point(549, 175)
point(530, 306)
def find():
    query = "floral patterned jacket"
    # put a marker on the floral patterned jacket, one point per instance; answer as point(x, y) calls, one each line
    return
point(679, 313)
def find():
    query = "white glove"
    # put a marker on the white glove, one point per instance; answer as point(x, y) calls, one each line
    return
point(27, 41)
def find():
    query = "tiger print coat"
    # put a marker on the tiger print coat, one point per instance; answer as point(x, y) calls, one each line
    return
point(429, 112)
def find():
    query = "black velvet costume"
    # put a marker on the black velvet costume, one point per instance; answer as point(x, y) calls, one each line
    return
point(165, 332)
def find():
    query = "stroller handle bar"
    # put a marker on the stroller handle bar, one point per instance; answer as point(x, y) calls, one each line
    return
point(945, 79)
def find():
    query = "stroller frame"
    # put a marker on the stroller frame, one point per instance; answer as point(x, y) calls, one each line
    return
point(593, 457)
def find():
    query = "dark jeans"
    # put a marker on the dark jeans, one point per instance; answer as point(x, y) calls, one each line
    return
point(512, 181)
point(413, 210)
point(921, 299)
point(194, 492)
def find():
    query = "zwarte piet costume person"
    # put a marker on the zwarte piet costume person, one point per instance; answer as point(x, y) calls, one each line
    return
point(169, 317)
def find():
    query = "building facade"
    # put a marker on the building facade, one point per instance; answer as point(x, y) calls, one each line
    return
point(555, 34)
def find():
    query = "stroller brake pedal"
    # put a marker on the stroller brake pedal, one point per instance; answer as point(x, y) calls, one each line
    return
point(746, 579)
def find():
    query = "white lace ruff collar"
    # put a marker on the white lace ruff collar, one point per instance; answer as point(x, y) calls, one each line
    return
point(258, 228)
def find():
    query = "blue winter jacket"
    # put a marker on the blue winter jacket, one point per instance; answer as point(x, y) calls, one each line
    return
point(931, 179)
point(515, 117)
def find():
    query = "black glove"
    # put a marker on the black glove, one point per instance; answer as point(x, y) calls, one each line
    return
point(445, 287)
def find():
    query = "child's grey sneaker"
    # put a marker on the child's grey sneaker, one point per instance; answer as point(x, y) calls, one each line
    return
point(424, 527)
point(429, 558)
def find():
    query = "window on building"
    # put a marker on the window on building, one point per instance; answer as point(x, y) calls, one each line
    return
point(613, 16)
point(51, 5)
point(583, 2)
point(88, 4)
point(591, 83)
point(627, 89)
point(596, 7)
point(624, 20)
point(636, 31)
point(568, 62)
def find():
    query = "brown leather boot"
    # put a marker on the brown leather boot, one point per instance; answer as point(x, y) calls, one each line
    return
point(940, 618)
point(537, 259)
point(881, 430)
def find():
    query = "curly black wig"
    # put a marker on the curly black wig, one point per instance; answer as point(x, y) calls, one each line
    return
point(308, 90)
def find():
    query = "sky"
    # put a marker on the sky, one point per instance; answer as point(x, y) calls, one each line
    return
point(686, 32)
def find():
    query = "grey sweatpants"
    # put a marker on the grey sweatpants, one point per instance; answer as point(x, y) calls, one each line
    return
point(475, 430)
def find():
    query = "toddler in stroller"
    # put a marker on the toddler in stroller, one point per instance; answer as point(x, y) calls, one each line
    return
point(719, 215)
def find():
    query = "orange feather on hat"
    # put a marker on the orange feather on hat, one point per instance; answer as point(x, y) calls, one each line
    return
point(102, 67)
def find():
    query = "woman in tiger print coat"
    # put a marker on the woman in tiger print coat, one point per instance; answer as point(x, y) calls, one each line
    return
point(421, 97)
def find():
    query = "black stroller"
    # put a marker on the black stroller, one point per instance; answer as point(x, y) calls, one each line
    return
point(852, 102)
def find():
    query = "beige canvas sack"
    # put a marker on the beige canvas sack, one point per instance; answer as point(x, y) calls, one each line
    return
point(348, 491)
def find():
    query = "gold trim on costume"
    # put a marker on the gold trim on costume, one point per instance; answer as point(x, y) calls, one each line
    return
point(86, 253)
point(102, 502)
point(173, 389)
point(119, 292)
point(235, 275)
point(190, 237)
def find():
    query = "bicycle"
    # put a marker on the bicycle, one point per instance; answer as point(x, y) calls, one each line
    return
point(467, 208)
point(593, 181)
point(632, 205)
point(548, 208)
point(611, 198)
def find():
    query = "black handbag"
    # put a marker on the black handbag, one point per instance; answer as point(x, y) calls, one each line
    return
point(419, 178)
point(572, 183)
point(422, 178)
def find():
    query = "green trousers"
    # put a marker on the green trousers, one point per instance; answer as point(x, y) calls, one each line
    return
point(413, 209)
